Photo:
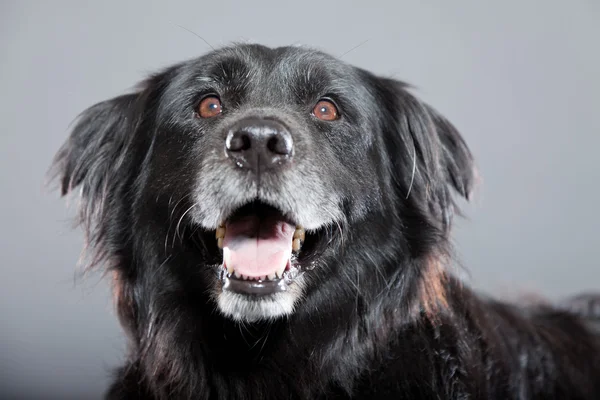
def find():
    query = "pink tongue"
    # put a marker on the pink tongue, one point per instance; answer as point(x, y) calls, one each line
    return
point(256, 246)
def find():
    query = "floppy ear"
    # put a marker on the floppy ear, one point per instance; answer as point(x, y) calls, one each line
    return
point(92, 157)
point(94, 145)
point(456, 158)
point(97, 159)
point(429, 150)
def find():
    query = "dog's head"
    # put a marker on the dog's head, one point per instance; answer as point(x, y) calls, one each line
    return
point(255, 173)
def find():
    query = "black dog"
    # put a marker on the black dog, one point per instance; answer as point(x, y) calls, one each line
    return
point(277, 224)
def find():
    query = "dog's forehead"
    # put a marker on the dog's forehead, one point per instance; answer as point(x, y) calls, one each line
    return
point(282, 64)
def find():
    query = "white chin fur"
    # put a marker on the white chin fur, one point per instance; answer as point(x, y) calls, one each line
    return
point(244, 308)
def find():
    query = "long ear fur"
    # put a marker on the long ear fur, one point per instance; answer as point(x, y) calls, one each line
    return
point(457, 160)
point(93, 148)
point(431, 149)
point(98, 160)
point(92, 160)
point(94, 151)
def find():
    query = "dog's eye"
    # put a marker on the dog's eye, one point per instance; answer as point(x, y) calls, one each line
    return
point(325, 110)
point(210, 107)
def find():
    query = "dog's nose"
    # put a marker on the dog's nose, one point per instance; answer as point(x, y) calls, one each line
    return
point(259, 144)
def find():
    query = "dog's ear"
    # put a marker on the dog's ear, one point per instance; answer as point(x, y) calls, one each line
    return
point(95, 145)
point(428, 149)
point(98, 143)
point(94, 160)
point(98, 160)
point(456, 158)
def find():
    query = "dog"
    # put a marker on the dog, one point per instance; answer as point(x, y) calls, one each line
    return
point(277, 225)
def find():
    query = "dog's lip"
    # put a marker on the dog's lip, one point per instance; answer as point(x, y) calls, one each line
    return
point(245, 220)
point(234, 211)
point(256, 288)
point(260, 287)
point(213, 220)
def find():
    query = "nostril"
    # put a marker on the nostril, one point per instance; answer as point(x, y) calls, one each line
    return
point(246, 142)
point(273, 145)
point(238, 141)
point(279, 145)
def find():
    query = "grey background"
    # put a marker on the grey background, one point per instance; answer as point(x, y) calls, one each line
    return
point(520, 79)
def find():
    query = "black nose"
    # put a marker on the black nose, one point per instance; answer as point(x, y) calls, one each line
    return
point(259, 144)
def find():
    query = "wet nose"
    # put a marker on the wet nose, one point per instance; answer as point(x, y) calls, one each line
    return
point(259, 144)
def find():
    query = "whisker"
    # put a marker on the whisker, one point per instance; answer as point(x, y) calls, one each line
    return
point(414, 169)
point(177, 233)
point(264, 342)
point(354, 48)
point(195, 34)
point(339, 226)
point(171, 218)
point(177, 204)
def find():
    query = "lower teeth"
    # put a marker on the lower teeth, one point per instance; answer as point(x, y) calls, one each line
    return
point(297, 240)
point(263, 278)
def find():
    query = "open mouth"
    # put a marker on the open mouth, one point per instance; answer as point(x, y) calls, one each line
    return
point(261, 248)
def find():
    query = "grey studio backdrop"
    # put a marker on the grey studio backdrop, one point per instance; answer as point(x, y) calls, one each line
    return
point(520, 79)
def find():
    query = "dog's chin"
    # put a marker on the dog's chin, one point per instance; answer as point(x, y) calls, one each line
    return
point(248, 308)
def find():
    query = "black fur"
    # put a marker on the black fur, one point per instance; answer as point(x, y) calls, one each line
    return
point(380, 315)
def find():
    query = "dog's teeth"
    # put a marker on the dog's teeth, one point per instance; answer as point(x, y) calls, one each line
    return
point(244, 277)
point(299, 233)
point(279, 272)
point(296, 244)
point(220, 242)
point(230, 269)
point(299, 236)
point(220, 232)
point(271, 276)
point(237, 274)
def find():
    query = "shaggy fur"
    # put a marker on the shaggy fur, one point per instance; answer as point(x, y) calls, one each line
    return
point(375, 314)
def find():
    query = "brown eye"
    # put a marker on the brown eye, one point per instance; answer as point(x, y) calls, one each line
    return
point(210, 107)
point(325, 110)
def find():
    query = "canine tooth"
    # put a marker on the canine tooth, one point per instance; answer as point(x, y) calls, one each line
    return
point(230, 269)
point(271, 276)
point(299, 233)
point(220, 232)
point(279, 272)
point(220, 242)
point(296, 244)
